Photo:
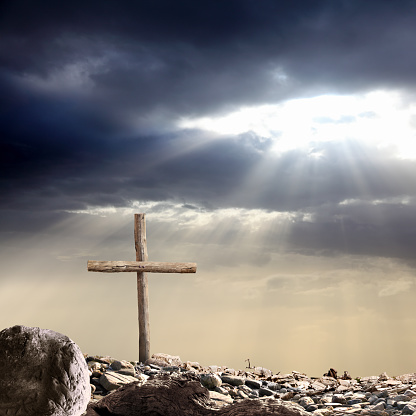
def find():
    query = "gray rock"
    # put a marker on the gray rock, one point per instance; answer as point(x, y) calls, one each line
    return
point(245, 389)
point(402, 398)
point(210, 381)
point(318, 386)
point(261, 372)
point(232, 380)
point(171, 369)
point(213, 395)
point(94, 366)
point(328, 381)
point(325, 399)
point(287, 396)
point(233, 392)
point(164, 360)
point(112, 380)
point(401, 405)
point(353, 401)
point(339, 398)
point(383, 377)
point(119, 365)
point(42, 372)
point(360, 396)
point(306, 401)
point(379, 406)
point(123, 367)
point(127, 372)
point(372, 399)
point(242, 394)
point(265, 392)
point(254, 384)
point(409, 409)
point(273, 386)
point(221, 390)
point(229, 371)
point(312, 408)
point(383, 394)
point(152, 372)
point(192, 366)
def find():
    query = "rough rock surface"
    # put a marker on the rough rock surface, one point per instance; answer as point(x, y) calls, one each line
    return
point(112, 380)
point(182, 395)
point(210, 381)
point(164, 360)
point(42, 372)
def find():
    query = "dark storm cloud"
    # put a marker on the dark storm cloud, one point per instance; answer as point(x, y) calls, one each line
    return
point(91, 91)
point(82, 165)
point(362, 228)
point(192, 57)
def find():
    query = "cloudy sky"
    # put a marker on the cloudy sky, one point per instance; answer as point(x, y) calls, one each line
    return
point(271, 142)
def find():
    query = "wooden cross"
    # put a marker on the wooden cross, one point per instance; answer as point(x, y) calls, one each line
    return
point(141, 266)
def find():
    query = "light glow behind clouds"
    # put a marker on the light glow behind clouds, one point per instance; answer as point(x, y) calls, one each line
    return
point(379, 118)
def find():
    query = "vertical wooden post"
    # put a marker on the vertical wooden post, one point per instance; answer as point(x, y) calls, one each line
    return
point(142, 287)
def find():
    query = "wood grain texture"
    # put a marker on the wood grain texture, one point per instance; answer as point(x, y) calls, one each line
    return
point(140, 266)
point(140, 245)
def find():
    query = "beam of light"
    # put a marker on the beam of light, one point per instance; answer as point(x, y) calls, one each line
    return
point(380, 118)
point(234, 280)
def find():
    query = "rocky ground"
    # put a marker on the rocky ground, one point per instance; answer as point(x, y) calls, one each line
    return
point(328, 395)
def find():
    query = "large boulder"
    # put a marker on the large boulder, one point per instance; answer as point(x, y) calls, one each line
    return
point(42, 372)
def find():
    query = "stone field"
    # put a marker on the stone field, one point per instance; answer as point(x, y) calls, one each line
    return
point(330, 394)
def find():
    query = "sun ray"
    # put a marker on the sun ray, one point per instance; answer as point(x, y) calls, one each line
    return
point(380, 118)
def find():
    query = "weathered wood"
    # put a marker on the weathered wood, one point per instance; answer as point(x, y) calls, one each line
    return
point(183, 395)
point(140, 266)
point(140, 245)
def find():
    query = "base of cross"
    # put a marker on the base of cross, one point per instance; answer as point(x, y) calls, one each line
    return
point(141, 266)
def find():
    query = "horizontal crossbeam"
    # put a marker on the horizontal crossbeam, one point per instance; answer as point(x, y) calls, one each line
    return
point(140, 266)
